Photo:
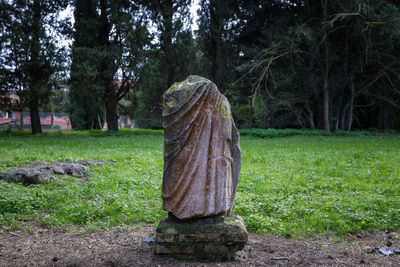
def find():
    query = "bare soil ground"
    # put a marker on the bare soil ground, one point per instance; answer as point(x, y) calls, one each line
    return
point(49, 247)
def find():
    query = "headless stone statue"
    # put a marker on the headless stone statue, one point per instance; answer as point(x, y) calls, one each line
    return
point(201, 172)
point(201, 151)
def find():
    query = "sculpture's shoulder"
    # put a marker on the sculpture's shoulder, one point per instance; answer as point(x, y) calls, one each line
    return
point(191, 83)
point(180, 92)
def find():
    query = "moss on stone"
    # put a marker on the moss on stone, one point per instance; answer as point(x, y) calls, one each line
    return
point(171, 231)
point(224, 109)
point(171, 102)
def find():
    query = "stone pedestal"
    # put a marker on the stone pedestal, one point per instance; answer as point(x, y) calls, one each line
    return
point(210, 238)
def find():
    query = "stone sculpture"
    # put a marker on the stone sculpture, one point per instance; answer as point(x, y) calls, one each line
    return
point(201, 173)
point(201, 151)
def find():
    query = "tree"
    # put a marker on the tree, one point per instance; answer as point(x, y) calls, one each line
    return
point(216, 40)
point(322, 61)
point(117, 22)
point(171, 57)
point(102, 54)
point(86, 107)
point(29, 52)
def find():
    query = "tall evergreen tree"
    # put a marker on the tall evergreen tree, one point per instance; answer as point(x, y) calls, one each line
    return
point(118, 20)
point(29, 52)
point(216, 40)
point(102, 30)
point(86, 105)
point(171, 58)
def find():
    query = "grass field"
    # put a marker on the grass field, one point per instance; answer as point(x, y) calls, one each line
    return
point(303, 184)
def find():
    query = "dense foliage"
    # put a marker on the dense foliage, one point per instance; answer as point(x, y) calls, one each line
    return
point(318, 64)
point(29, 54)
point(170, 58)
point(103, 39)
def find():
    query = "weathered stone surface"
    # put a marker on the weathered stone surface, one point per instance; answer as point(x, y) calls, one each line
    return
point(201, 172)
point(94, 162)
point(27, 176)
point(63, 168)
point(243, 255)
point(150, 240)
point(201, 150)
point(211, 238)
point(40, 172)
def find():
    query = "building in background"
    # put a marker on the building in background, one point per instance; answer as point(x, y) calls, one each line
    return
point(12, 115)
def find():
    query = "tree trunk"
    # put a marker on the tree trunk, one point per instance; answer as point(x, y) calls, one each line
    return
point(324, 4)
point(34, 83)
point(326, 106)
point(337, 120)
point(99, 121)
point(34, 113)
point(21, 121)
point(312, 49)
point(166, 37)
point(108, 68)
point(311, 121)
point(310, 116)
point(351, 107)
point(216, 21)
point(343, 117)
point(111, 113)
point(251, 113)
point(383, 115)
point(383, 111)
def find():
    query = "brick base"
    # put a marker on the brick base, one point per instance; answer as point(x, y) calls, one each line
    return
point(211, 238)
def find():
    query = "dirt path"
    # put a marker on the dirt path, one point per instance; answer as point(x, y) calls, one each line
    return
point(44, 247)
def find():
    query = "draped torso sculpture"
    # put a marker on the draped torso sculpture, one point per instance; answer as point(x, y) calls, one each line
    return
point(201, 150)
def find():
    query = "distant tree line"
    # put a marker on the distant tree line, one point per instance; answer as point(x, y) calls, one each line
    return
point(332, 65)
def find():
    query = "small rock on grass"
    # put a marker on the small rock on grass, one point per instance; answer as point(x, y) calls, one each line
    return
point(243, 255)
point(368, 249)
point(388, 251)
point(40, 172)
point(148, 240)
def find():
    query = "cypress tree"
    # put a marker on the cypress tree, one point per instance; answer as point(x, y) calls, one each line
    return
point(29, 53)
point(170, 59)
point(86, 104)
point(100, 50)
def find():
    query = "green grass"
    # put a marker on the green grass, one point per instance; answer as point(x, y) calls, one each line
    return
point(274, 133)
point(303, 184)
